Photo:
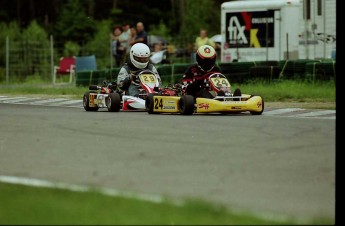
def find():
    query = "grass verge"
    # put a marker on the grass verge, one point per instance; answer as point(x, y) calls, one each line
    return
point(27, 205)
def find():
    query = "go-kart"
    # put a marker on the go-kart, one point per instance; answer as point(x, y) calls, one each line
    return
point(224, 101)
point(109, 96)
point(104, 96)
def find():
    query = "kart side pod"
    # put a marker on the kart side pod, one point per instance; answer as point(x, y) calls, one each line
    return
point(251, 103)
point(169, 104)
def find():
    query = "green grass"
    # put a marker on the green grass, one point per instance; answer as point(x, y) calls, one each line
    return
point(44, 89)
point(33, 206)
point(292, 90)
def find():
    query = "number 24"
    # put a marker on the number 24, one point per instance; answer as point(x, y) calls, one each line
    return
point(158, 103)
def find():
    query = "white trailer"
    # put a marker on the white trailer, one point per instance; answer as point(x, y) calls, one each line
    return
point(264, 30)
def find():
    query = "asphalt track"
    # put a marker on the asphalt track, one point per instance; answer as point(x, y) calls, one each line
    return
point(283, 166)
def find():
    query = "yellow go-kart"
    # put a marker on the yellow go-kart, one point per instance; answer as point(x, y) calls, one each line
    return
point(224, 101)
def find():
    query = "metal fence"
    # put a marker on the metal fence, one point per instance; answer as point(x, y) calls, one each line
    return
point(27, 58)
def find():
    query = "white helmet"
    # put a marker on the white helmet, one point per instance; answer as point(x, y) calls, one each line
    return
point(140, 55)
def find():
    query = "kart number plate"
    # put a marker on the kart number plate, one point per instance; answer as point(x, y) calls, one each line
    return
point(92, 97)
point(148, 78)
point(165, 104)
point(220, 82)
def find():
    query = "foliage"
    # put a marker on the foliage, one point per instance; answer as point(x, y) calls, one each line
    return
point(74, 24)
point(197, 15)
point(36, 44)
point(100, 44)
point(161, 29)
point(71, 49)
point(29, 50)
point(12, 31)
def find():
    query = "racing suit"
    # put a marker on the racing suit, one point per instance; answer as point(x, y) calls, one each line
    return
point(195, 81)
point(128, 81)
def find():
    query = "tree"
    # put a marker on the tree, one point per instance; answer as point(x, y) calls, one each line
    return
point(73, 24)
point(35, 39)
point(199, 14)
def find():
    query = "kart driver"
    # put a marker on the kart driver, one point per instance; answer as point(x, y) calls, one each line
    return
point(127, 79)
point(195, 77)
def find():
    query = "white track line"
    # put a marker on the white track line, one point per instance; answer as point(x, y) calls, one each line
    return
point(47, 101)
point(282, 111)
point(72, 102)
point(15, 100)
point(79, 188)
point(316, 113)
point(3, 98)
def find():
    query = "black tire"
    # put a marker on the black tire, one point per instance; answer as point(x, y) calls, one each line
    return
point(237, 93)
point(86, 100)
point(186, 104)
point(113, 102)
point(149, 103)
point(259, 112)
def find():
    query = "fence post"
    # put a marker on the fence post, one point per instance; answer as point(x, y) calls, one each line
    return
point(111, 55)
point(52, 58)
point(7, 60)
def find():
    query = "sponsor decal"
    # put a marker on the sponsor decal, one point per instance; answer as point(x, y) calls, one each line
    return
point(169, 102)
point(207, 50)
point(259, 104)
point(249, 29)
point(92, 100)
point(236, 108)
point(169, 107)
point(203, 105)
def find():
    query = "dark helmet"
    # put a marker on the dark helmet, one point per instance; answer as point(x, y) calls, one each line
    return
point(206, 57)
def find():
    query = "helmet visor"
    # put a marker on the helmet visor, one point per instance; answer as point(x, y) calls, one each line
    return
point(141, 59)
point(206, 64)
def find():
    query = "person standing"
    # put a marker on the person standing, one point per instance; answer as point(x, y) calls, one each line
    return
point(201, 40)
point(141, 36)
point(125, 39)
point(118, 50)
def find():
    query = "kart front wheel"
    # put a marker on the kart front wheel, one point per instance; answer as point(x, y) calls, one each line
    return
point(186, 105)
point(86, 102)
point(113, 102)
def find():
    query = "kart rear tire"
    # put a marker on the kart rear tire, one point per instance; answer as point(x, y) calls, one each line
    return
point(186, 105)
point(113, 102)
point(259, 112)
point(237, 92)
point(149, 103)
point(86, 101)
